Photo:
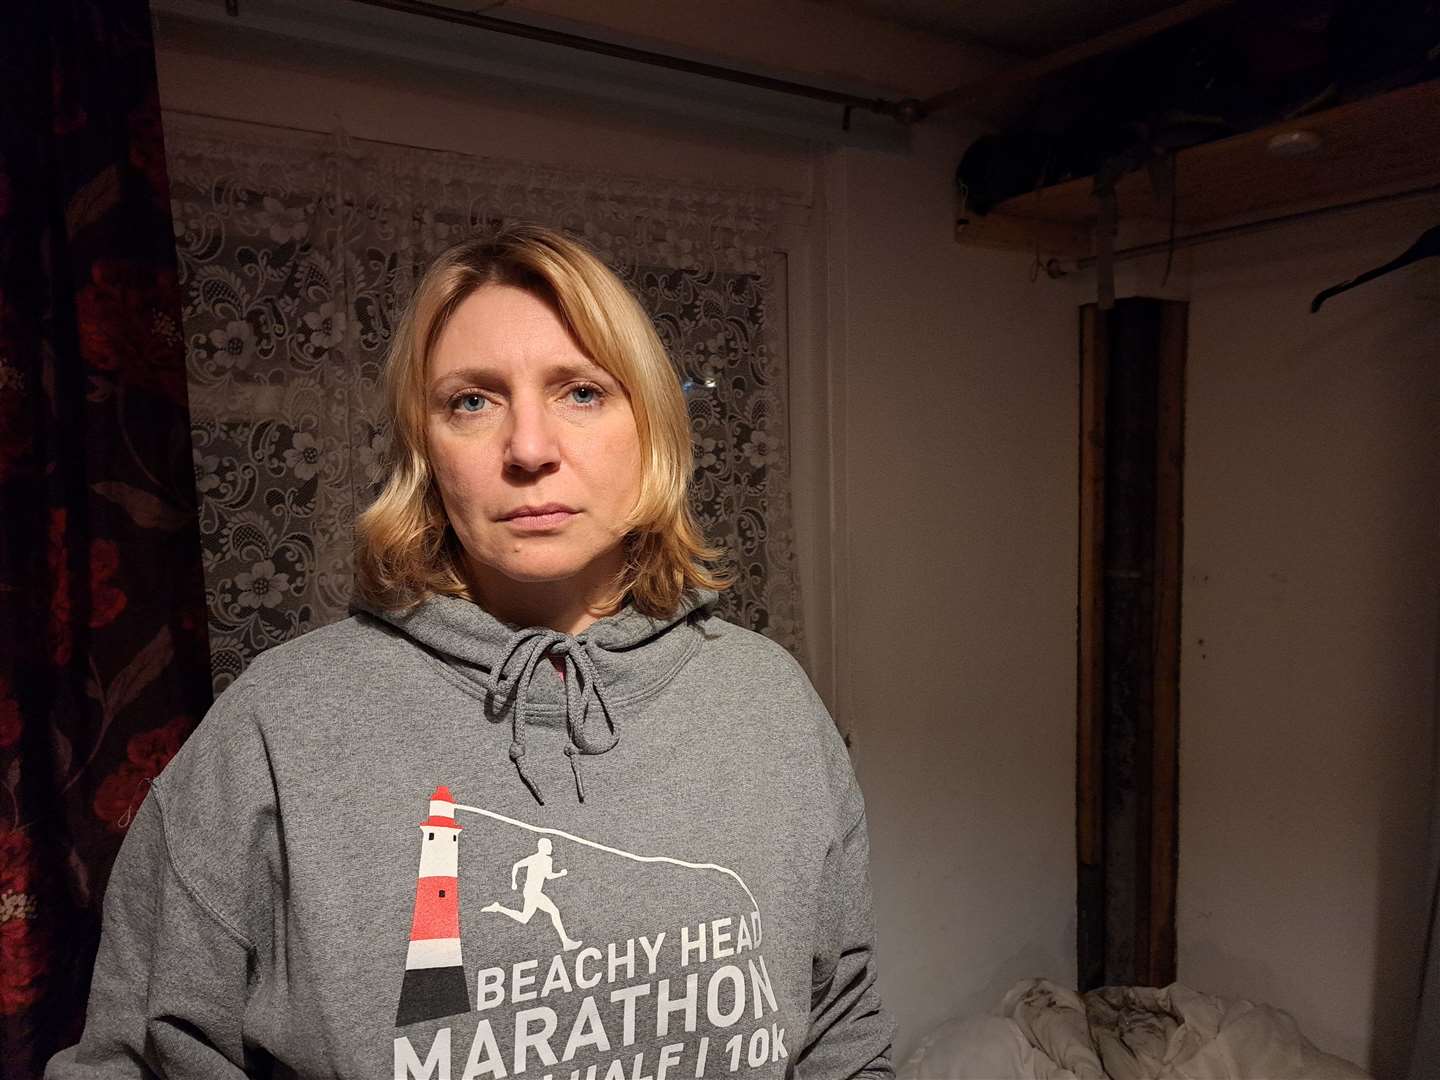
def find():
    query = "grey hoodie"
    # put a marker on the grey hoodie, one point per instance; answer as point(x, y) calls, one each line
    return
point(407, 846)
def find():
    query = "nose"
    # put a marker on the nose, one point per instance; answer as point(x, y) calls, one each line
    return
point(530, 436)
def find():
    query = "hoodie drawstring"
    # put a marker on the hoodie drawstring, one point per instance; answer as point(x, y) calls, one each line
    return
point(582, 686)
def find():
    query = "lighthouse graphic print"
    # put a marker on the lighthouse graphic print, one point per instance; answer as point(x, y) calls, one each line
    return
point(530, 956)
point(434, 971)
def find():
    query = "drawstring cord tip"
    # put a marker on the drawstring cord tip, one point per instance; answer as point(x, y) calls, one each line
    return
point(570, 751)
point(517, 753)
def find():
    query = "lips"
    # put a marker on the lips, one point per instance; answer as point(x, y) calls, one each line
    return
point(544, 510)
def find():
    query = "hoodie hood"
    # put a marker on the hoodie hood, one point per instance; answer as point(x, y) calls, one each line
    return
point(612, 663)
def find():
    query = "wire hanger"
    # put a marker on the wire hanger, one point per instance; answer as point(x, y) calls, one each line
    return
point(1424, 248)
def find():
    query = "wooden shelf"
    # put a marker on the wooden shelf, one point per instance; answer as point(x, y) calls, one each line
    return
point(1382, 145)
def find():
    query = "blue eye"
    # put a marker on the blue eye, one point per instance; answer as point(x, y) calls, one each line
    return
point(464, 401)
point(594, 391)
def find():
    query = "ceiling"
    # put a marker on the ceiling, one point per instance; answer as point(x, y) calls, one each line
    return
point(1026, 28)
point(1021, 29)
point(880, 49)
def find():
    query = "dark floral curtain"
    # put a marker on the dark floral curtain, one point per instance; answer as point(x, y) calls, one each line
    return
point(103, 643)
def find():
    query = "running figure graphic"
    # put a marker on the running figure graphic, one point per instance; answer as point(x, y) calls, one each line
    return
point(539, 868)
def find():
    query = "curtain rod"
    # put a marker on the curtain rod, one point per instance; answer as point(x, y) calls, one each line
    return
point(905, 110)
point(786, 198)
point(1056, 268)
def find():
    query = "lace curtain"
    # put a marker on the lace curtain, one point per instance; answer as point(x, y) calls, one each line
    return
point(297, 253)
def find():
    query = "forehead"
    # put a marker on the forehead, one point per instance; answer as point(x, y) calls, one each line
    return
point(501, 327)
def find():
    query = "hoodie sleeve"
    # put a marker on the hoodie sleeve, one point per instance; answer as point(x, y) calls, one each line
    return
point(168, 989)
point(850, 1031)
point(188, 894)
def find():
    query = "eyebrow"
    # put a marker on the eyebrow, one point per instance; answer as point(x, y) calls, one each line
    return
point(480, 374)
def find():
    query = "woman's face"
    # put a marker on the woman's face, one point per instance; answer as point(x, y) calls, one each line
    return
point(518, 417)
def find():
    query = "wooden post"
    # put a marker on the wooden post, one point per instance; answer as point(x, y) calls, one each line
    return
point(1127, 726)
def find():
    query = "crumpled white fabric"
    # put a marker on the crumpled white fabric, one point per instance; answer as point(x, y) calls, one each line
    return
point(1042, 1031)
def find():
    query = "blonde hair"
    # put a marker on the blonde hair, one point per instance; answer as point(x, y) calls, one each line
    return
point(405, 549)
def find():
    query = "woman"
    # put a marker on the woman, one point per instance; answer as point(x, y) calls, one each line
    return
point(692, 900)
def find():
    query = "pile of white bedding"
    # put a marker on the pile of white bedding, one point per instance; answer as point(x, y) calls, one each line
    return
point(1042, 1031)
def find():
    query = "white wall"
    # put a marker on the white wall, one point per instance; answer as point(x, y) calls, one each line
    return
point(1310, 621)
point(1310, 604)
point(1308, 690)
point(937, 388)
point(956, 588)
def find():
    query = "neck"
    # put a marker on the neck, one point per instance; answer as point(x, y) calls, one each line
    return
point(569, 605)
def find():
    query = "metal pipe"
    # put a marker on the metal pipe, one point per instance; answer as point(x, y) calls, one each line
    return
point(1055, 268)
point(906, 110)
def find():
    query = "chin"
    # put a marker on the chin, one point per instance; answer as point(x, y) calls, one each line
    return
point(527, 576)
point(542, 559)
point(534, 571)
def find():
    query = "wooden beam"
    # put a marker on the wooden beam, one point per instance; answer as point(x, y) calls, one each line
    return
point(1003, 231)
point(1371, 148)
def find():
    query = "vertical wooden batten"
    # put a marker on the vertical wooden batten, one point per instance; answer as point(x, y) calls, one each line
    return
point(1169, 574)
point(1090, 660)
point(1132, 377)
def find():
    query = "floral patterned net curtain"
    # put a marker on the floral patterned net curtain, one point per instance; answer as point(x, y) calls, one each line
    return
point(297, 254)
